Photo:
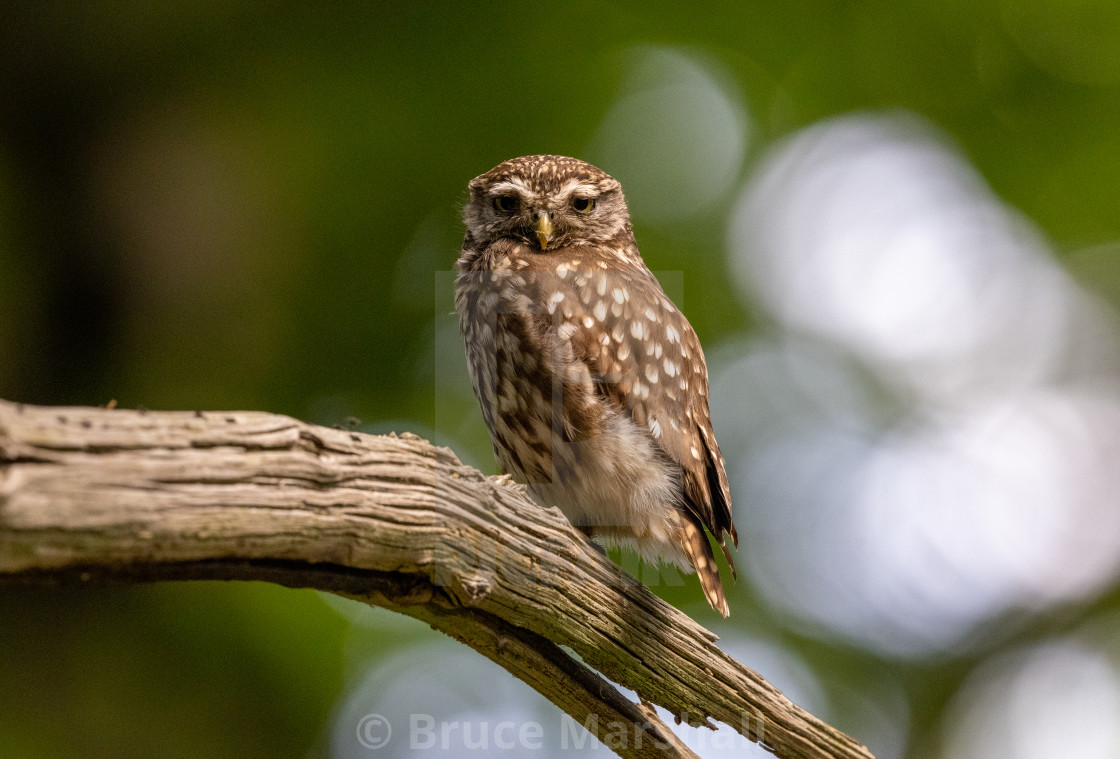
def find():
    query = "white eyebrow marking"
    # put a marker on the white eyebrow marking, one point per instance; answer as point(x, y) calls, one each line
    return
point(515, 184)
point(572, 185)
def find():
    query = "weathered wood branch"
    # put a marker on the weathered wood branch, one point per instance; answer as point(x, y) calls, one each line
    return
point(90, 494)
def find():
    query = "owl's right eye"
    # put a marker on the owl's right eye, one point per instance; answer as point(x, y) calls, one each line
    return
point(506, 203)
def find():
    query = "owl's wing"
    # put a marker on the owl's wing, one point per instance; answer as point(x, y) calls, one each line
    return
point(645, 357)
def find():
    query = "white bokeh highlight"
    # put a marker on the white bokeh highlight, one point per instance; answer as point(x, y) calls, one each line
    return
point(867, 232)
point(1058, 698)
point(925, 443)
point(675, 137)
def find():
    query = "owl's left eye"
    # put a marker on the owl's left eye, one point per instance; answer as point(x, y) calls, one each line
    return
point(506, 203)
point(583, 205)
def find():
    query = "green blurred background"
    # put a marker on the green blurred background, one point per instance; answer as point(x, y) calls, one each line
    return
point(242, 205)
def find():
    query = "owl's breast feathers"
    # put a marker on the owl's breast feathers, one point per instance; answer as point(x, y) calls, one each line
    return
point(573, 341)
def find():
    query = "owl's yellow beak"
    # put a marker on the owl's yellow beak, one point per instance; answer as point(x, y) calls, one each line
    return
point(544, 229)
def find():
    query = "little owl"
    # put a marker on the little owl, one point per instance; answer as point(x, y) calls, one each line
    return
point(592, 383)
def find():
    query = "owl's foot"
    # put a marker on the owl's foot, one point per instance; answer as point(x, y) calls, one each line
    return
point(590, 533)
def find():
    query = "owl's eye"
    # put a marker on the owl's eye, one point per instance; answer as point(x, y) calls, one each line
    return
point(583, 205)
point(506, 203)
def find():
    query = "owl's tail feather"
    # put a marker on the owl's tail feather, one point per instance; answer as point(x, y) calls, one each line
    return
point(699, 551)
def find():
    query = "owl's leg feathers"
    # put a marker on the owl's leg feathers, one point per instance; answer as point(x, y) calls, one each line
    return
point(695, 544)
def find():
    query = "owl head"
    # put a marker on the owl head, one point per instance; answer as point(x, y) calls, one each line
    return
point(546, 202)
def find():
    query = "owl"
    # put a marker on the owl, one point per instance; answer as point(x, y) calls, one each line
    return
point(591, 382)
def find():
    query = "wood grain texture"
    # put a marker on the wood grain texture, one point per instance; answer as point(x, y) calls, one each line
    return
point(90, 494)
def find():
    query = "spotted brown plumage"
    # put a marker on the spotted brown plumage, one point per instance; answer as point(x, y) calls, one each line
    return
point(591, 382)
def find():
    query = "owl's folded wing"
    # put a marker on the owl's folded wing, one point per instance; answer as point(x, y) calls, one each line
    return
point(641, 353)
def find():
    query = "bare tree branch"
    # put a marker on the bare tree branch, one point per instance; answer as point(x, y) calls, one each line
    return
point(91, 494)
